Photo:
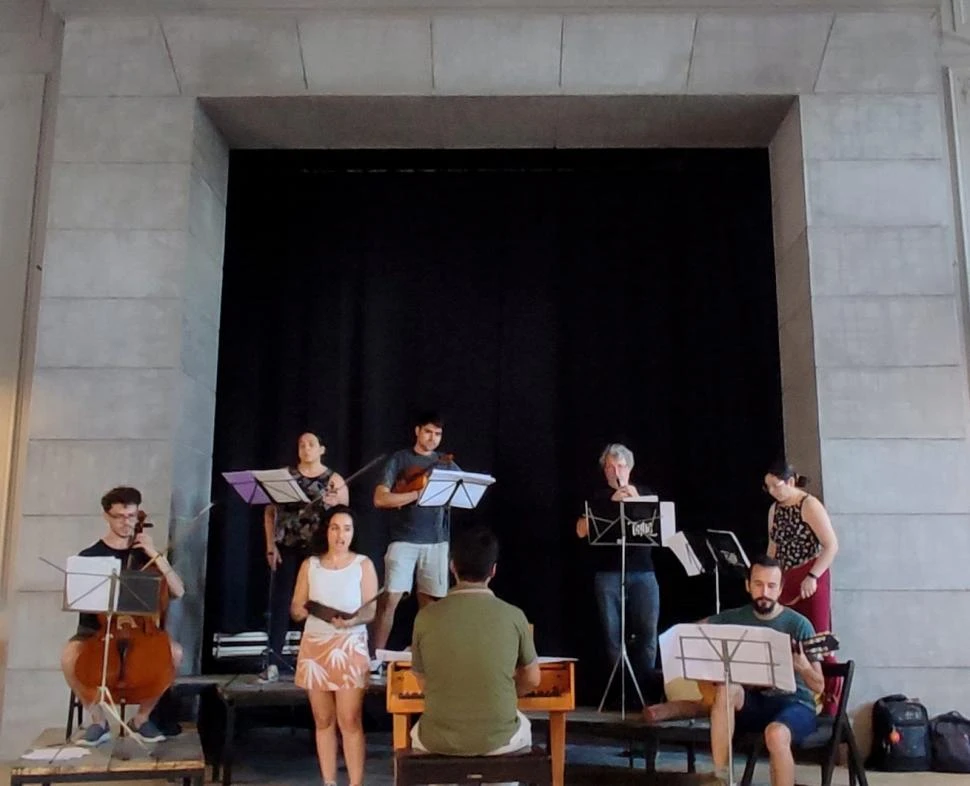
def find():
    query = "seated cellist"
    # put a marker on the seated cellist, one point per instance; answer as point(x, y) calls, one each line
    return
point(120, 510)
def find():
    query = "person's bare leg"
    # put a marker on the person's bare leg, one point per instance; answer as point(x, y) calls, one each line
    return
point(674, 710)
point(145, 708)
point(722, 725)
point(325, 723)
point(781, 761)
point(349, 710)
point(384, 620)
point(69, 656)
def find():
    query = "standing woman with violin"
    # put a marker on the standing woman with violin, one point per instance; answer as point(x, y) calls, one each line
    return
point(136, 551)
point(289, 529)
point(418, 535)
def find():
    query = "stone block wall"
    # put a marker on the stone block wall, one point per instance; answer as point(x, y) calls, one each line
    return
point(872, 333)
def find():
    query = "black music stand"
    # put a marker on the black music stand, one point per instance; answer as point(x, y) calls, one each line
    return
point(266, 487)
point(729, 556)
point(637, 525)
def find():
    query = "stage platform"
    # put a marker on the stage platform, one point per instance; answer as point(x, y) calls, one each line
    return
point(121, 759)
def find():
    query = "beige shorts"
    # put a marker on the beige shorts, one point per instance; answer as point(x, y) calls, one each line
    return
point(424, 564)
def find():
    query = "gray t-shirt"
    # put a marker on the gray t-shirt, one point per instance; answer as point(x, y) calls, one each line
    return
point(414, 524)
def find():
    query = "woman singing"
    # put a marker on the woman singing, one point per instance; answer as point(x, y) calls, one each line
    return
point(333, 664)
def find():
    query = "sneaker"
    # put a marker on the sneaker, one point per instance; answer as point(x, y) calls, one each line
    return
point(270, 674)
point(376, 667)
point(94, 735)
point(148, 731)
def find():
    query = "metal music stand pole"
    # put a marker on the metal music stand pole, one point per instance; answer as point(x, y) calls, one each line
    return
point(623, 657)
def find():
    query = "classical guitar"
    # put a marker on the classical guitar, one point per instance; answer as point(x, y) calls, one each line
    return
point(814, 648)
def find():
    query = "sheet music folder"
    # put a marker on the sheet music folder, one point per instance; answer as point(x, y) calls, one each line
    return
point(454, 487)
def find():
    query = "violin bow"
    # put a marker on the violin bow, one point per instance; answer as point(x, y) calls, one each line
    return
point(367, 466)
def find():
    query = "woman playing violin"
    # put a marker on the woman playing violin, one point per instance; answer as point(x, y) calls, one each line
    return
point(120, 510)
point(289, 530)
point(418, 535)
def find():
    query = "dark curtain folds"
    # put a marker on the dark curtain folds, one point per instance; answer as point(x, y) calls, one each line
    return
point(546, 302)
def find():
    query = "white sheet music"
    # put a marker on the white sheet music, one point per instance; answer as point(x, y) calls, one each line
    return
point(684, 552)
point(280, 485)
point(759, 656)
point(454, 487)
point(88, 584)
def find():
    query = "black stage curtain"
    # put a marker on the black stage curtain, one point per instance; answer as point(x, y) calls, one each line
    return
point(548, 302)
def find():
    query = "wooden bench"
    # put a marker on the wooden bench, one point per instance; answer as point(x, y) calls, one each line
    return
point(413, 768)
point(121, 759)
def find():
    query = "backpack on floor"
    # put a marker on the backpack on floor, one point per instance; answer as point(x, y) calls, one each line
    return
point(950, 742)
point(900, 735)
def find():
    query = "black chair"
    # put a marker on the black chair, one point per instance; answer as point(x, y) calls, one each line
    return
point(822, 746)
point(414, 768)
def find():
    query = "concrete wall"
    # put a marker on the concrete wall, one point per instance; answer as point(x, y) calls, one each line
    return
point(29, 45)
point(874, 372)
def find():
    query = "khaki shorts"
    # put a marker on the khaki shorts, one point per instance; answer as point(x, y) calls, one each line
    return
point(427, 561)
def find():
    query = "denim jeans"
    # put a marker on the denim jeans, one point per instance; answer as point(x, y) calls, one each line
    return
point(642, 613)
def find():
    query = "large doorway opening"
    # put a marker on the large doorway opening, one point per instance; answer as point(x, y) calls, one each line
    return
point(549, 302)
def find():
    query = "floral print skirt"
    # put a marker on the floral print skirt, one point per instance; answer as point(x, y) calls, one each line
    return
point(339, 662)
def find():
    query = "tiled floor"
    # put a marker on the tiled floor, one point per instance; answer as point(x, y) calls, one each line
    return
point(274, 757)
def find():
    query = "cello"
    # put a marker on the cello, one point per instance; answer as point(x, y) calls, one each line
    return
point(138, 650)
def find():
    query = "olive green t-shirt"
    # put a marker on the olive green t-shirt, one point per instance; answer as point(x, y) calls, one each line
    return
point(468, 646)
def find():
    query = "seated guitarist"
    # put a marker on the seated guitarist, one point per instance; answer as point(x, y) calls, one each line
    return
point(473, 655)
point(785, 718)
point(418, 535)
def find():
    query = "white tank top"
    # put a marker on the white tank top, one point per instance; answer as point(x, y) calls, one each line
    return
point(337, 588)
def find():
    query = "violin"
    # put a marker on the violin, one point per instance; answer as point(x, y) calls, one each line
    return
point(415, 478)
point(139, 652)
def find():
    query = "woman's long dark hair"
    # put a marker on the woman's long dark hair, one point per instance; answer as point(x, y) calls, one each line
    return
point(318, 540)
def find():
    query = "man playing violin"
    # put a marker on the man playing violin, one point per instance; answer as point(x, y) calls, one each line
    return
point(120, 511)
point(418, 535)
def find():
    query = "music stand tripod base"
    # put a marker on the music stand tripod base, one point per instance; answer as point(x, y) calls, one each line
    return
point(622, 662)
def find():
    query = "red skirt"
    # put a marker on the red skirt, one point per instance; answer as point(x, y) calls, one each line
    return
point(818, 610)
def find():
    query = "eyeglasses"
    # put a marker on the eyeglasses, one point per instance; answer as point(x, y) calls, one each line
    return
point(122, 516)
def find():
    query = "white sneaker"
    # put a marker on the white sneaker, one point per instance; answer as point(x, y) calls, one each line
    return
point(270, 674)
point(376, 667)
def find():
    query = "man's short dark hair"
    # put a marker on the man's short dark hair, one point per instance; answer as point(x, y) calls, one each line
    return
point(474, 552)
point(764, 561)
point(429, 416)
point(120, 495)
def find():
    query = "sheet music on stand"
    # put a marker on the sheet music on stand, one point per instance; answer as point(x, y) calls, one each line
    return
point(727, 550)
point(748, 655)
point(90, 584)
point(641, 515)
point(262, 486)
point(456, 488)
